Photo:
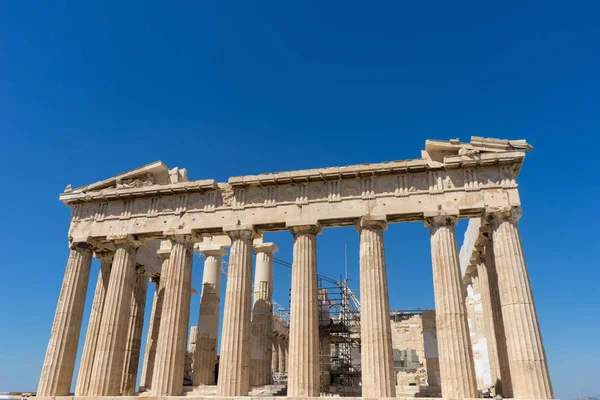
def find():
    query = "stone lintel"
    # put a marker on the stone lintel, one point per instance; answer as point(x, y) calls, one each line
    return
point(212, 250)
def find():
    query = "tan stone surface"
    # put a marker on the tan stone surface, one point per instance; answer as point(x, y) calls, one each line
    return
point(262, 316)
point(208, 319)
point(167, 379)
point(134, 333)
point(57, 371)
point(234, 373)
point(91, 338)
point(153, 330)
point(303, 371)
point(377, 364)
point(526, 356)
point(456, 358)
point(110, 350)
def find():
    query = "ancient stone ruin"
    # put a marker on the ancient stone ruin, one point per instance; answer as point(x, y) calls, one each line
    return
point(147, 223)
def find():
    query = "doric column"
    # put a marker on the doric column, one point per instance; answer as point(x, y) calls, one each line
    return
point(205, 356)
point(153, 330)
point(377, 362)
point(234, 363)
point(134, 333)
point(59, 363)
point(262, 316)
point(274, 354)
point(281, 354)
point(456, 357)
point(504, 387)
point(526, 355)
point(112, 338)
point(303, 372)
point(488, 321)
point(167, 379)
point(91, 338)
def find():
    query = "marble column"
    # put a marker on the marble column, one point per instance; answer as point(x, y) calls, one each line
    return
point(377, 361)
point(526, 355)
point(57, 371)
point(504, 387)
point(134, 333)
point(274, 354)
point(234, 363)
point(112, 338)
point(91, 338)
point(153, 329)
point(455, 354)
point(281, 354)
point(188, 372)
point(488, 321)
point(262, 316)
point(303, 372)
point(167, 379)
point(205, 356)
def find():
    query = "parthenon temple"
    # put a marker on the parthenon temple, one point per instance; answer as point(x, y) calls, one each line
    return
point(145, 227)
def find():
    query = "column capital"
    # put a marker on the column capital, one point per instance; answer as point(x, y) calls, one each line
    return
point(512, 214)
point(240, 231)
point(124, 240)
point(441, 218)
point(104, 255)
point(371, 222)
point(304, 227)
point(80, 244)
point(266, 248)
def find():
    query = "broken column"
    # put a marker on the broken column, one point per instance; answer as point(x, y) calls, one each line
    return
point(303, 371)
point(234, 363)
point(91, 337)
point(526, 355)
point(377, 362)
point(57, 372)
point(167, 379)
point(208, 317)
point(455, 355)
point(262, 316)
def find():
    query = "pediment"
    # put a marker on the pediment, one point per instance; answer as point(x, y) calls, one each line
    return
point(156, 173)
point(436, 150)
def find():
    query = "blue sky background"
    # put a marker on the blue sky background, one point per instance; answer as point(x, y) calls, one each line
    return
point(92, 89)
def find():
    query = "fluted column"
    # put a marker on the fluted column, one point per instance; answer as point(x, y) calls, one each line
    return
point(57, 372)
point(274, 354)
point(505, 386)
point(262, 316)
point(455, 354)
point(377, 362)
point(134, 333)
point(110, 350)
point(167, 379)
point(303, 372)
point(489, 322)
point(91, 338)
point(153, 330)
point(526, 356)
point(234, 363)
point(281, 354)
point(205, 356)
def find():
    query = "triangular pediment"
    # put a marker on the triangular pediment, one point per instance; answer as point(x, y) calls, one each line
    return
point(156, 173)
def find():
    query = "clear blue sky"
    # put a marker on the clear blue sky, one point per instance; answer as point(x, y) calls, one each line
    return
point(91, 89)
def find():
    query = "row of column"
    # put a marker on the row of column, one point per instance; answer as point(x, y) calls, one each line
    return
point(526, 358)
